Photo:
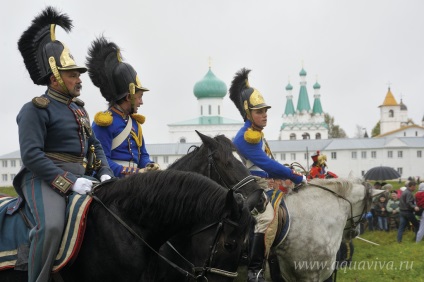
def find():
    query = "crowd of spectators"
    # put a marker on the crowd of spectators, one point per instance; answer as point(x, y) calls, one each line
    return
point(398, 209)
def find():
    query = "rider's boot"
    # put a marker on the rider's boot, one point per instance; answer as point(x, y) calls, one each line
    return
point(256, 269)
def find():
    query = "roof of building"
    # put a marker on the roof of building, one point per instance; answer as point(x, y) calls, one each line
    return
point(208, 120)
point(210, 87)
point(289, 110)
point(302, 72)
point(13, 155)
point(390, 99)
point(289, 87)
point(303, 102)
point(317, 108)
point(316, 85)
point(399, 130)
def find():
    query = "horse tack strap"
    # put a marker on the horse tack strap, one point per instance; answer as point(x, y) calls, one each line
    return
point(140, 238)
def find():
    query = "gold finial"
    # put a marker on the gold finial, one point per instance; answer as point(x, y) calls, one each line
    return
point(210, 62)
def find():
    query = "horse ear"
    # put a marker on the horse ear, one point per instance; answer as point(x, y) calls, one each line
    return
point(208, 141)
point(230, 204)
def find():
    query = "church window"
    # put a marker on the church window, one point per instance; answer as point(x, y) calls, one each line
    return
point(182, 140)
point(201, 110)
point(391, 113)
point(333, 155)
point(419, 154)
point(364, 154)
point(390, 154)
point(210, 109)
point(318, 136)
point(219, 110)
point(293, 156)
point(400, 154)
point(373, 154)
point(292, 136)
point(354, 155)
point(306, 136)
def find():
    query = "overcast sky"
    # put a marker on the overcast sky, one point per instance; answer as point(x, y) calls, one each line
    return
point(354, 48)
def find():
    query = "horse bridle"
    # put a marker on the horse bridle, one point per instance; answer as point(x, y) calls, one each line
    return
point(206, 266)
point(353, 224)
point(238, 185)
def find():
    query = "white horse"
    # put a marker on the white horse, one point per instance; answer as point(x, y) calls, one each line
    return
point(319, 215)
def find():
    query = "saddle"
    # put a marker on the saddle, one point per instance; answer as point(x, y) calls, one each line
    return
point(16, 221)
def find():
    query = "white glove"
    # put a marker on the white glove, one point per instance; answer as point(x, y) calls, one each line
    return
point(104, 177)
point(82, 185)
point(152, 166)
point(304, 180)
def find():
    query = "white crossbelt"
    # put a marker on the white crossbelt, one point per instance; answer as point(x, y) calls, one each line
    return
point(123, 135)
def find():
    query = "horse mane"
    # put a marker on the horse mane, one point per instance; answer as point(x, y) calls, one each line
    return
point(167, 197)
point(340, 186)
point(190, 160)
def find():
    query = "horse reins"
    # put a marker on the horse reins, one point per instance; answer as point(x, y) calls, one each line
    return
point(353, 224)
point(205, 268)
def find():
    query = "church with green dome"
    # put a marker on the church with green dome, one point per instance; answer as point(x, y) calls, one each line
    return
point(303, 122)
point(210, 92)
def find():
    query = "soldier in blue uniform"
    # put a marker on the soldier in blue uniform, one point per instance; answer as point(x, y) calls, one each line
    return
point(251, 144)
point(54, 137)
point(119, 128)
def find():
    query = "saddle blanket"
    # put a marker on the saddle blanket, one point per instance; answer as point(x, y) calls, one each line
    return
point(14, 232)
point(282, 223)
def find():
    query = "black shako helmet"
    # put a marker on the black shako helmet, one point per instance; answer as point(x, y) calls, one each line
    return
point(44, 55)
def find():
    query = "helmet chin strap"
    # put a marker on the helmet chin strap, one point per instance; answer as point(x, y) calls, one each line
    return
point(132, 97)
point(53, 67)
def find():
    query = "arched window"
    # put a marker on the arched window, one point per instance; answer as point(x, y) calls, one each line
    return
point(391, 113)
point(318, 136)
point(292, 136)
point(182, 140)
point(306, 136)
point(201, 110)
point(210, 109)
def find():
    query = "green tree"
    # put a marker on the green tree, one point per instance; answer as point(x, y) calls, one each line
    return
point(334, 130)
point(376, 130)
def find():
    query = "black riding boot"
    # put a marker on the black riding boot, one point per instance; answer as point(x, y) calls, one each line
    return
point(257, 256)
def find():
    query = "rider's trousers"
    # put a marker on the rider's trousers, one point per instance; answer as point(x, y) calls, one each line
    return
point(48, 209)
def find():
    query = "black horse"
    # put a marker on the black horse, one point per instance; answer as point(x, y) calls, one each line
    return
point(155, 206)
point(216, 158)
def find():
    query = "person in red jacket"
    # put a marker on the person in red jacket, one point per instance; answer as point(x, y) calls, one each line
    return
point(419, 198)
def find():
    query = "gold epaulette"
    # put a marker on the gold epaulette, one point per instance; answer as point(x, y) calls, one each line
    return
point(253, 136)
point(103, 118)
point(41, 102)
point(139, 118)
point(79, 102)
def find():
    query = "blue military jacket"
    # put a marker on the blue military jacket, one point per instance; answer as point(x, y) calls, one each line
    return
point(56, 124)
point(258, 162)
point(132, 149)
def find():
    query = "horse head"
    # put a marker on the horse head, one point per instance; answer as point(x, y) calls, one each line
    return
point(218, 159)
point(225, 240)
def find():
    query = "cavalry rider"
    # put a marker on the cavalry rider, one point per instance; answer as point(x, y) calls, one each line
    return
point(251, 144)
point(318, 168)
point(119, 128)
point(54, 137)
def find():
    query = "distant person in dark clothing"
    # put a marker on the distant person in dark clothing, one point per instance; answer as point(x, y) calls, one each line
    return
point(407, 207)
